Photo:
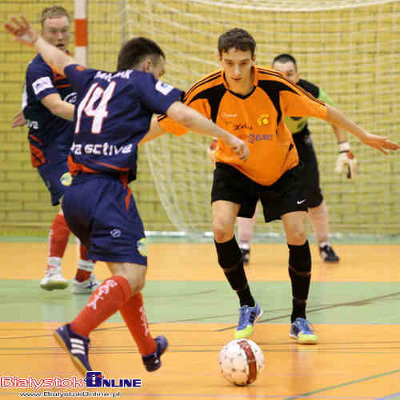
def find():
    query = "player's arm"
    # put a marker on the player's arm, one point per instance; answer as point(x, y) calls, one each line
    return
point(201, 125)
point(195, 122)
point(54, 103)
point(297, 102)
point(337, 118)
point(24, 33)
point(154, 131)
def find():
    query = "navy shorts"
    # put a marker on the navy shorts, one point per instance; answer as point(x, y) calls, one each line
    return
point(287, 194)
point(308, 158)
point(101, 212)
point(56, 177)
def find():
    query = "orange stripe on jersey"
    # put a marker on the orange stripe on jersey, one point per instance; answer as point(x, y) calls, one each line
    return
point(171, 126)
point(124, 180)
point(37, 156)
point(208, 78)
point(112, 166)
point(264, 71)
point(75, 168)
point(161, 117)
point(63, 86)
point(35, 138)
point(128, 199)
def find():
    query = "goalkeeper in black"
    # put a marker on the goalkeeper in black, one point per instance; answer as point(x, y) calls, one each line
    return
point(317, 209)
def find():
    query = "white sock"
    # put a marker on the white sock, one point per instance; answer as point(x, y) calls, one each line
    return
point(86, 265)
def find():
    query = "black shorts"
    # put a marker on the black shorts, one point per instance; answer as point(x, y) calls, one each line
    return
point(286, 195)
point(308, 158)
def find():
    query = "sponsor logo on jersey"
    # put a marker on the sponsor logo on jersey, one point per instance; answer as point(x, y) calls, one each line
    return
point(70, 98)
point(163, 88)
point(32, 124)
point(258, 138)
point(104, 149)
point(42, 84)
point(141, 246)
point(228, 115)
point(263, 119)
point(115, 233)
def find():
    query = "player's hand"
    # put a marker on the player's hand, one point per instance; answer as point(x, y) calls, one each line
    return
point(211, 150)
point(18, 120)
point(380, 143)
point(22, 30)
point(238, 146)
point(346, 162)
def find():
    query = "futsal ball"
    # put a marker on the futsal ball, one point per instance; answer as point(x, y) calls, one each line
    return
point(240, 361)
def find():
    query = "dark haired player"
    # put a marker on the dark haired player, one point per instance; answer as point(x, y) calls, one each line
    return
point(251, 102)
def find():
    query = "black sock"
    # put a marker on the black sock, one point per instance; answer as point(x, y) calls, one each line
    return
point(300, 276)
point(230, 259)
point(298, 309)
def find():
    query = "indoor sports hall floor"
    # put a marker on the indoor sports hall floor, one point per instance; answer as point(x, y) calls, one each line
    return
point(354, 305)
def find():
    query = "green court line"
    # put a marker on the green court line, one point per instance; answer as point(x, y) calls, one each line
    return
point(340, 385)
point(214, 302)
point(177, 237)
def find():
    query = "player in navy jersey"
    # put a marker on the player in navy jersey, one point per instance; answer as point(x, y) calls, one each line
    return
point(113, 114)
point(48, 109)
point(298, 126)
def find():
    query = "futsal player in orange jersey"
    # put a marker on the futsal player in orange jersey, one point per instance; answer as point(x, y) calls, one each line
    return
point(251, 102)
point(298, 126)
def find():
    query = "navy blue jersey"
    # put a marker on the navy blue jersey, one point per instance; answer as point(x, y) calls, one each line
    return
point(112, 115)
point(50, 136)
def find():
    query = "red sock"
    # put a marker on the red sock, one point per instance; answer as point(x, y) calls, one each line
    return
point(82, 275)
point(135, 318)
point(104, 302)
point(85, 266)
point(83, 252)
point(58, 237)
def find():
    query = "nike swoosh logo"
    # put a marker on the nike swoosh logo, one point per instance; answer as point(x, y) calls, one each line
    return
point(301, 201)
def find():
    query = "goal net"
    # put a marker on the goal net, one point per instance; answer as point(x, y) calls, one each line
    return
point(349, 48)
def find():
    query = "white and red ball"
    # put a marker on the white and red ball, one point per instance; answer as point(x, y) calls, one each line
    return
point(240, 361)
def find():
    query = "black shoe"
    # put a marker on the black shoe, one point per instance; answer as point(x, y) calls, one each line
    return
point(245, 256)
point(152, 361)
point(327, 254)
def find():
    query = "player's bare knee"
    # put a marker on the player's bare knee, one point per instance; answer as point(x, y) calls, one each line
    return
point(136, 285)
point(222, 232)
point(296, 235)
point(134, 273)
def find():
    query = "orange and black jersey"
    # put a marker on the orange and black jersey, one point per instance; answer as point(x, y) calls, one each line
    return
point(256, 118)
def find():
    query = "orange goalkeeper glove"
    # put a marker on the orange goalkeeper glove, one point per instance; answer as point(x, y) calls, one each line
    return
point(346, 162)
